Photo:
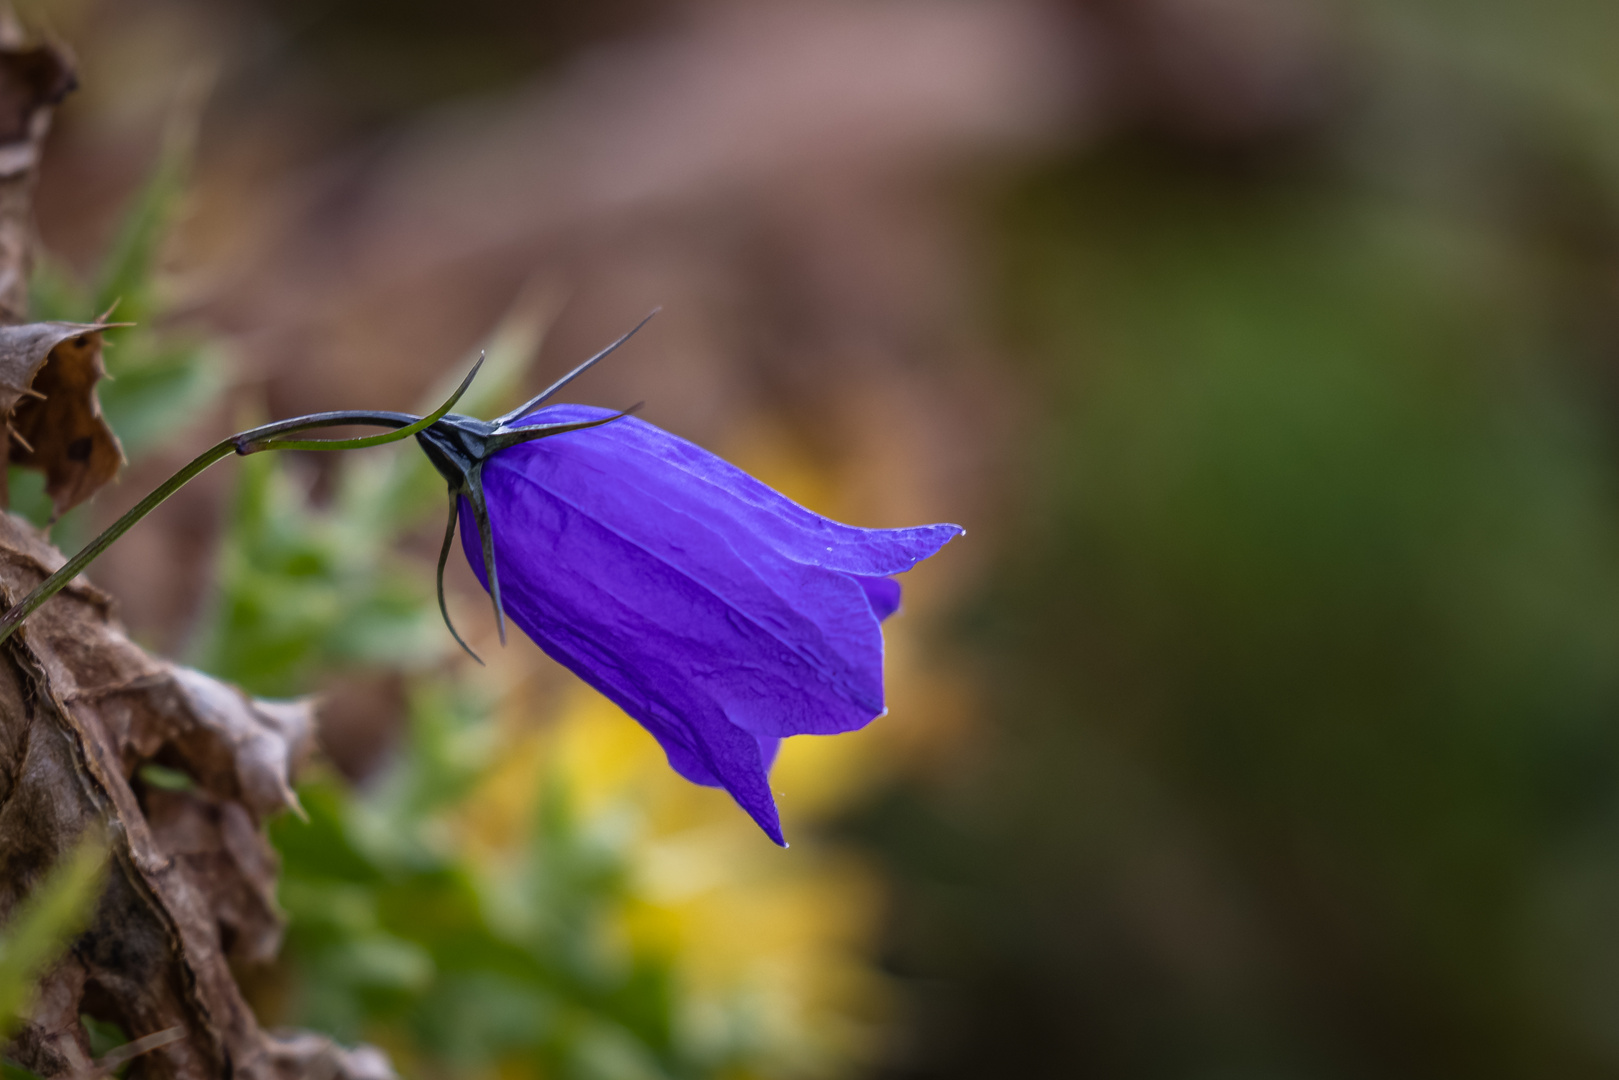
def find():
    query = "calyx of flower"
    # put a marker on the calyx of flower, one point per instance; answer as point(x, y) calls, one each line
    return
point(459, 445)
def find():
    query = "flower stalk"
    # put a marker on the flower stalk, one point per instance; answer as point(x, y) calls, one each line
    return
point(253, 441)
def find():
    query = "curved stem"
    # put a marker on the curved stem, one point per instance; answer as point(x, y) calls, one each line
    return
point(87, 554)
point(252, 441)
point(246, 442)
point(263, 438)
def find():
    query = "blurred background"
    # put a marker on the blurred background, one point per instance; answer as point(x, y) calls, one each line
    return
point(1265, 724)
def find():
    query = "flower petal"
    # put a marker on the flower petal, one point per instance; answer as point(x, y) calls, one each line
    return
point(634, 446)
point(587, 624)
point(711, 609)
point(883, 593)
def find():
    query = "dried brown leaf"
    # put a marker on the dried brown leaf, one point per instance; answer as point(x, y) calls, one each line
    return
point(53, 421)
point(192, 877)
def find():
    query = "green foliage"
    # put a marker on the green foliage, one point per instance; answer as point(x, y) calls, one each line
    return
point(53, 914)
point(395, 933)
point(104, 1036)
point(304, 590)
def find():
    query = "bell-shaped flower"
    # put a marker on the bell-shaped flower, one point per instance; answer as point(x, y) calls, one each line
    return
point(720, 614)
point(717, 612)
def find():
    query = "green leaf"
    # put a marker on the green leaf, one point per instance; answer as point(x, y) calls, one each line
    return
point(165, 778)
point(55, 913)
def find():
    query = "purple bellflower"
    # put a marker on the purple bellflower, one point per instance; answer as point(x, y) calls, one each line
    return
point(715, 611)
point(720, 614)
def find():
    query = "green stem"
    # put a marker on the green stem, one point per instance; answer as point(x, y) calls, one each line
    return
point(247, 442)
point(87, 554)
point(263, 438)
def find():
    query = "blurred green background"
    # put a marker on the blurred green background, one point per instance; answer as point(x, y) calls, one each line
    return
point(1266, 723)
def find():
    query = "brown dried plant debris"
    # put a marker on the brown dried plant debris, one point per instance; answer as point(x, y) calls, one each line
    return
point(33, 79)
point(191, 884)
point(52, 417)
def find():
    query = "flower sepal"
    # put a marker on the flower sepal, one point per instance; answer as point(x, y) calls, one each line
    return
point(459, 445)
